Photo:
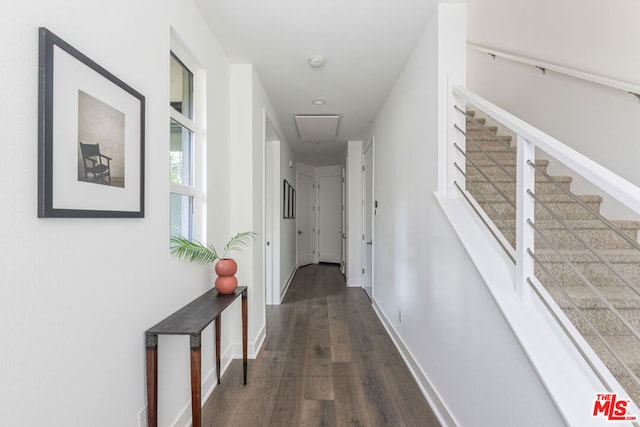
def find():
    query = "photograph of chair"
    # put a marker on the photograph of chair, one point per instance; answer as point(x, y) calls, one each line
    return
point(95, 168)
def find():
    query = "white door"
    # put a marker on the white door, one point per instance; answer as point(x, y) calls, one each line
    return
point(268, 220)
point(368, 209)
point(330, 219)
point(304, 218)
point(343, 265)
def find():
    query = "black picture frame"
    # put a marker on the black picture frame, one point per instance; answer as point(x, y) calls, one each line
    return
point(293, 203)
point(88, 167)
point(285, 199)
point(288, 200)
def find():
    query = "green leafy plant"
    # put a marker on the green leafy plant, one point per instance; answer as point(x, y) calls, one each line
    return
point(207, 254)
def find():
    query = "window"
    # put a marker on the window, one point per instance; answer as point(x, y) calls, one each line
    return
point(182, 127)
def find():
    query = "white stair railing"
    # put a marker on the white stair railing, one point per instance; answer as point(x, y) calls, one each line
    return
point(526, 285)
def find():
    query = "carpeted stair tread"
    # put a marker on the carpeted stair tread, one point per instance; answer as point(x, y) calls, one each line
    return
point(505, 163)
point(585, 298)
point(628, 349)
point(614, 256)
point(549, 198)
point(578, 224)
point(594, 232)
point(474, 176)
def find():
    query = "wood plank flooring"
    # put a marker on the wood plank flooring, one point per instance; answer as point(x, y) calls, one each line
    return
point(326, 361)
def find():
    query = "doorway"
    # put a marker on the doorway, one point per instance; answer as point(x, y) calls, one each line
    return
point(368, 214)
point(271, 212)
point(330, 218)
point(304, 217)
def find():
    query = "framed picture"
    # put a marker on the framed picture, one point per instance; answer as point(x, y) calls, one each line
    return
point(90, 137)
point(288, 201)
point(293, 203)
point(285, 199)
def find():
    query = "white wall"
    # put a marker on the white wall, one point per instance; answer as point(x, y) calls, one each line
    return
point(463, 349)
point(249, 102)
point(594, 36)
point(74, 311)
point(287, 226)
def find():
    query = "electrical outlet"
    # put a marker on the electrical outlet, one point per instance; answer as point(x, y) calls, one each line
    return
point(400, 316)
point(142, 416)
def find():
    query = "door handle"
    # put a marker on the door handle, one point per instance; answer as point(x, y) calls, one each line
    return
point(370, 243)
point(299, 232)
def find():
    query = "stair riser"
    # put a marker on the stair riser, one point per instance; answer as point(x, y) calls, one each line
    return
point(563, 239)
point(603, 320)
point(473, 131)
point(499, 156)
point(488, 145)
point(492, 170)
point(565, 210)
point(509, 188)
point(596, 273)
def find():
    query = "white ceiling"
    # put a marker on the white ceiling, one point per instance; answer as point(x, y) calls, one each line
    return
point(365, 44)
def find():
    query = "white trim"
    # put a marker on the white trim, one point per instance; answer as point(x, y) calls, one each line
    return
point(197, 191)
point(354, 282)
point(371, 146)
point(444, 415)
point(593, 78)
point(283, 292)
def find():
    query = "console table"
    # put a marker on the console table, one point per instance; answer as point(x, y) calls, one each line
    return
point(191, 320)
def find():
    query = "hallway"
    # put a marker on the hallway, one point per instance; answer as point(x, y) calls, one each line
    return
point(327, 361)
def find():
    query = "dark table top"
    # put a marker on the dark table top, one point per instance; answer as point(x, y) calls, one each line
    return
point(195, 316)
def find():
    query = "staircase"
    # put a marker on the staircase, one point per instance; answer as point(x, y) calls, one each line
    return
point(563, 264)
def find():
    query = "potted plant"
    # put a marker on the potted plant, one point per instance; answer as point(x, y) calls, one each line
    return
point(226, 268)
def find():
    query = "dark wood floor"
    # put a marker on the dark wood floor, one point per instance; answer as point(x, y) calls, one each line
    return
point(327, 361)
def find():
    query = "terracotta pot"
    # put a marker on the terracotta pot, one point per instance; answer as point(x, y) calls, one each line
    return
point(226, 267)
point(226, 284)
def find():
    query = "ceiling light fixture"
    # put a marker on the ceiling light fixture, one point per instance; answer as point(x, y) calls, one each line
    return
point(318, 101)
point(316, 61)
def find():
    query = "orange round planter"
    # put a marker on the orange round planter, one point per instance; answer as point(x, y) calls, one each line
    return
point(226, 267)
point(226, 284)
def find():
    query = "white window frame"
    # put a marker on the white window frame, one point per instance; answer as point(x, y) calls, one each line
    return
point(198, 155)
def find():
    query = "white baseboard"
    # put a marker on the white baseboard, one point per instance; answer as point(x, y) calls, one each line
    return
point(289, 280)
point(437, 405)
point(354, 282)
point(233, 351)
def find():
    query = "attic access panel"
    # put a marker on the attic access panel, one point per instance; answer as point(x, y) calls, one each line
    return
point(317, 128)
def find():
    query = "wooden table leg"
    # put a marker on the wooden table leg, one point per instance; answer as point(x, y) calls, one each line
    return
point(152, 380)
point(217, 320)
point(196, 382)
point(244, 335)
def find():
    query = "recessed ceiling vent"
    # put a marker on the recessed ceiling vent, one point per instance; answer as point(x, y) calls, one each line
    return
point(317, 128)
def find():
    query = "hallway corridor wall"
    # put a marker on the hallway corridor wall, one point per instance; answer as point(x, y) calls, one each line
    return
point(74, 311)
point(426, 288)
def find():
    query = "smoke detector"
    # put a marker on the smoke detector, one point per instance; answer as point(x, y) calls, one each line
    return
point(316, 61)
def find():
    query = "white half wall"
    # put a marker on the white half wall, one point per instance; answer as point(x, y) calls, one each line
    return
point(427, 289)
